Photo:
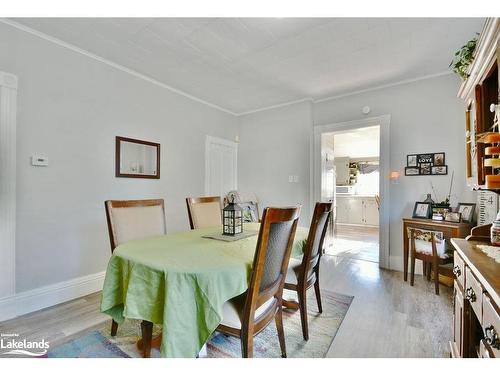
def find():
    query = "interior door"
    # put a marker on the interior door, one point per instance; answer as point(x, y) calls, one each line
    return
point(221, 171)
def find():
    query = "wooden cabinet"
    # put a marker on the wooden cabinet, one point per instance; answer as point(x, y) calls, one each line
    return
point(342, 173)
point(476, 301)
point(357, 210)
point(458, 323)
point(479, 91)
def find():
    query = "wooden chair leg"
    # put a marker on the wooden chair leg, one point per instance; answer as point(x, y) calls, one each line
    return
point(429, 270)
point(424, 267)
point(303, 313)
point(318, 295)
point(281, 333)
point(412, 268)
point(247, 345)
point(147, 335)
point(436, 276)
point(114, 327)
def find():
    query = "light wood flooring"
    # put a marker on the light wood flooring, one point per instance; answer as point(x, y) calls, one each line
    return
point(356, 242)
point(387, 317)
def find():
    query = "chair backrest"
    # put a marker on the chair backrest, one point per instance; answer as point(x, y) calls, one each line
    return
point(426, 241)
point(270, 264)
point(314, 245)
point(134, 219)
point(204, 212)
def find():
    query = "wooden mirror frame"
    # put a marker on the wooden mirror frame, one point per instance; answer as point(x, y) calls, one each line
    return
point(132, 175)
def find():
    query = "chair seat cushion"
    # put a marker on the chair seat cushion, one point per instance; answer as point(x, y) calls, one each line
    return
point(292, 276)
point(233, 310)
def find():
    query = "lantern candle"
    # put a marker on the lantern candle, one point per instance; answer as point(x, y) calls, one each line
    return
point(232, 219)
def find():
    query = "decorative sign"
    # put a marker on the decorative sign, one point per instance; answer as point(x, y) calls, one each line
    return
point(426, 164)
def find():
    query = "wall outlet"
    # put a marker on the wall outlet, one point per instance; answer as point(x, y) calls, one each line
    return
point(39, 161)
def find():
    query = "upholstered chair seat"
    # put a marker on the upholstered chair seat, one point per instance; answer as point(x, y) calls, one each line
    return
point(234, 308)
point(294, 267)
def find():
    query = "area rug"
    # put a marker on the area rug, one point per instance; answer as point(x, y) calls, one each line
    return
point(322, 330)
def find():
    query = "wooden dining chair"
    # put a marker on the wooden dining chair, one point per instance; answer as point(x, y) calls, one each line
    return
point(204, 212)
point(248, 314)
point(304, 273)
point(132, 220)
point(429, 247)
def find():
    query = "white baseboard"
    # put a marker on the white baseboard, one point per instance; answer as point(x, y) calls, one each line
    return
point(396, 264)
point(50, 295)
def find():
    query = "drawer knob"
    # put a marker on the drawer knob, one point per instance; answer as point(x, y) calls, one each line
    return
point(470, 295)
point(456, 271)
point(491, 337)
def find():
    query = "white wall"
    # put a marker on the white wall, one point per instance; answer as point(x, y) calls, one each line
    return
point(70, 108)
point(274, 145)
point(426, 116)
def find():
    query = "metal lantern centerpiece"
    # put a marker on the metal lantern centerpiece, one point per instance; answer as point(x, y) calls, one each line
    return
point(232, 219)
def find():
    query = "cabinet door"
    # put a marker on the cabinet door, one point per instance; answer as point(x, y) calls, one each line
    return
point(370, 211)
point(458, 323)
point(356, 211)
point(342, 210)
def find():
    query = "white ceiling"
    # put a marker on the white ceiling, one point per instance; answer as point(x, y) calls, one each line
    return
point(358, 143)
point(243, 64)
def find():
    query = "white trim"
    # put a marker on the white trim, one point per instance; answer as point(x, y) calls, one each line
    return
point(375, 88)
point(222, 141)
point(110, 63)
point(8, 97)
point(384, 122)
point(50, 295)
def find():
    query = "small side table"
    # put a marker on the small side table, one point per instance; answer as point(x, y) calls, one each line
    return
point(449, 229)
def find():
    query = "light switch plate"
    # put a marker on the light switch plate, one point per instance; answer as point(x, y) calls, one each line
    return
point(39, 161)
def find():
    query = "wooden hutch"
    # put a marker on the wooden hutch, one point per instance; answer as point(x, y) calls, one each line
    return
point(476, 320)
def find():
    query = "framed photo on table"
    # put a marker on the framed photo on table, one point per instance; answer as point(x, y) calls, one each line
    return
point(422, 210)
point(467, 211)
point(454, 217)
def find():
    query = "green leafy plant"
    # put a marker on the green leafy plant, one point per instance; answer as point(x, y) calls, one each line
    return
point(463, 58)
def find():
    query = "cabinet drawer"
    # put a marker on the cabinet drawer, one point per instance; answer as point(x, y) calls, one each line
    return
point(491, 326)
point(473, 293)
point(459, 269)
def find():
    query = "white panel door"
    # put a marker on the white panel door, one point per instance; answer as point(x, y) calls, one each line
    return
point(8, 95)
point(220, 166)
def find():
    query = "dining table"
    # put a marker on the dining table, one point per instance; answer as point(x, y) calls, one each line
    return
point(181, 282)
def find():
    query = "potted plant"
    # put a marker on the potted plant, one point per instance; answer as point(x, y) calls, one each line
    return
point(463, 58)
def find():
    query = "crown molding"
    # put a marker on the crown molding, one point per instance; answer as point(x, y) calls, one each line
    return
point(103, 60)
point(275, 106)
point(380, 87)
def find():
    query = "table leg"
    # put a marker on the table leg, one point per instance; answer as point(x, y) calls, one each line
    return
point(147, 334)
point(405, 254)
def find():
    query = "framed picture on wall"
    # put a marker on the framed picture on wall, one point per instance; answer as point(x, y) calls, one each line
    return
point(411, 160)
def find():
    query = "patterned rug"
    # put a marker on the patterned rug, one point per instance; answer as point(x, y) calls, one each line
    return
point(322, 330)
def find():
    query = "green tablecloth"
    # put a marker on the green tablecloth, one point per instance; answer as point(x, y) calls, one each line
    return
point(181, 281)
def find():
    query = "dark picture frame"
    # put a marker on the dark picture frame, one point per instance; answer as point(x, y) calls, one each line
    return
point(118, 162)
point(428, 164)
point(421, 212)
point(467, 211)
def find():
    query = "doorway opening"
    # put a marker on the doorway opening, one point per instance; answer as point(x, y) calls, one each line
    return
point(351, 180)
